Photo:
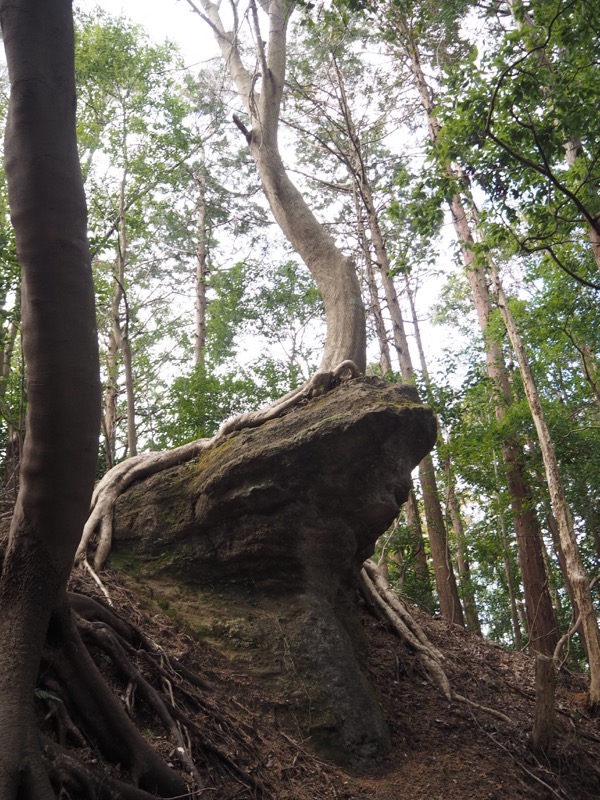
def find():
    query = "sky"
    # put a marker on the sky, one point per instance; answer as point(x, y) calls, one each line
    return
point(165, 19)
point(175, 20)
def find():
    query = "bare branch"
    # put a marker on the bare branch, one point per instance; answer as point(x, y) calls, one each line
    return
point(227, 42)
point(242, 127)
point(260, 45)
point(566, 638)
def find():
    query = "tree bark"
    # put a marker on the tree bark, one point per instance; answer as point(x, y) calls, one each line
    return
point(516, 606)
point(542, 625)
point(568, 540)
point(334, 273)
point(385, 362)
point(8, 349)
point(14, 433)
point(438, 542)
point(118, 342)
point(111, 395)
point(201, 267)
point(540, 614)
point(122, 334)
point(541, 620)
point(464, 568)
point(421, 567)
point(560, 557)
point(508, 569)
point(443, 570)
point(59, 339)
point(543, 724)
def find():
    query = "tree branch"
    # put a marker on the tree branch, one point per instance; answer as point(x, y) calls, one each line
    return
point(260, 45)
point(227, 42)
point(242, 127)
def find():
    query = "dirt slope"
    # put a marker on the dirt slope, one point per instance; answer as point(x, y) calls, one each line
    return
point(440, 749)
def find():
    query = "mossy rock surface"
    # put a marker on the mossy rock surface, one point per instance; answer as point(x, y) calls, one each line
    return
point(257, 545)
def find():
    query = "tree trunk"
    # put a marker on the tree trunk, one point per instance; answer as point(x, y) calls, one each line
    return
point(118, 342)
point(542, 735)
point(417, 330)
point(452, 502)
point(385, 362)
point(508, 570)
point(560, 557)
point(111, 394)
point(421, 567)
point(573, 562)
point(511, 583)
point(595, 242)
point(438, 542)
point(201, 268)
point(59, 339)
point(14, 433)
point(589, 364)
point(464, 568)
point(8, 349)
point(334, 273)
point(541, 619)
point(444, 574)
point(122, 334)
point(540, 614)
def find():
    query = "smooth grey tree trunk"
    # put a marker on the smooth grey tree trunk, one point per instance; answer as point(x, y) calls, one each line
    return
point(261, 93)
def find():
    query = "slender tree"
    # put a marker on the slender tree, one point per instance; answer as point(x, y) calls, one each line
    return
point(135, 141)
point(541, 619)
point(342, 138)
point(575, 572)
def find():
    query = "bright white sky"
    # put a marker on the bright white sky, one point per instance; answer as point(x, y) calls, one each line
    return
point(165, 19)
point(174, 20)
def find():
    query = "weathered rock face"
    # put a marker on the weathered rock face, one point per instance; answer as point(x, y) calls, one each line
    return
point(257, 545)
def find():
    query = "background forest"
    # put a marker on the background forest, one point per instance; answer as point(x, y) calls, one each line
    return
point(452, 149)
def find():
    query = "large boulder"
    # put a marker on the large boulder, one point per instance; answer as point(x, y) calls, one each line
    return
point(256, 546)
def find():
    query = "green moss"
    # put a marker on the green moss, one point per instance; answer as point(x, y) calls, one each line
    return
point(124, 560)
point(210, 458)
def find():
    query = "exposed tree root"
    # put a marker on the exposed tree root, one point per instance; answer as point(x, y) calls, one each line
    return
point(379, 594)
point(83, 715)
point(320, 383)
point(120, 478)
point(123, 475)
point(86, 565)
point(95, 711)
point(76, 780)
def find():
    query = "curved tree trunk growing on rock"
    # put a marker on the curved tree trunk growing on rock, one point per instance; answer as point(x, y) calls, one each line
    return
point(345, 346)
point(334, 273)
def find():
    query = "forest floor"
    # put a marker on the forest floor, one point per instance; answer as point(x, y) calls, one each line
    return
point(440, 749)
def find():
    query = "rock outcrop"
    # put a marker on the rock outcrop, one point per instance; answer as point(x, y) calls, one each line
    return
point(256, 546)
